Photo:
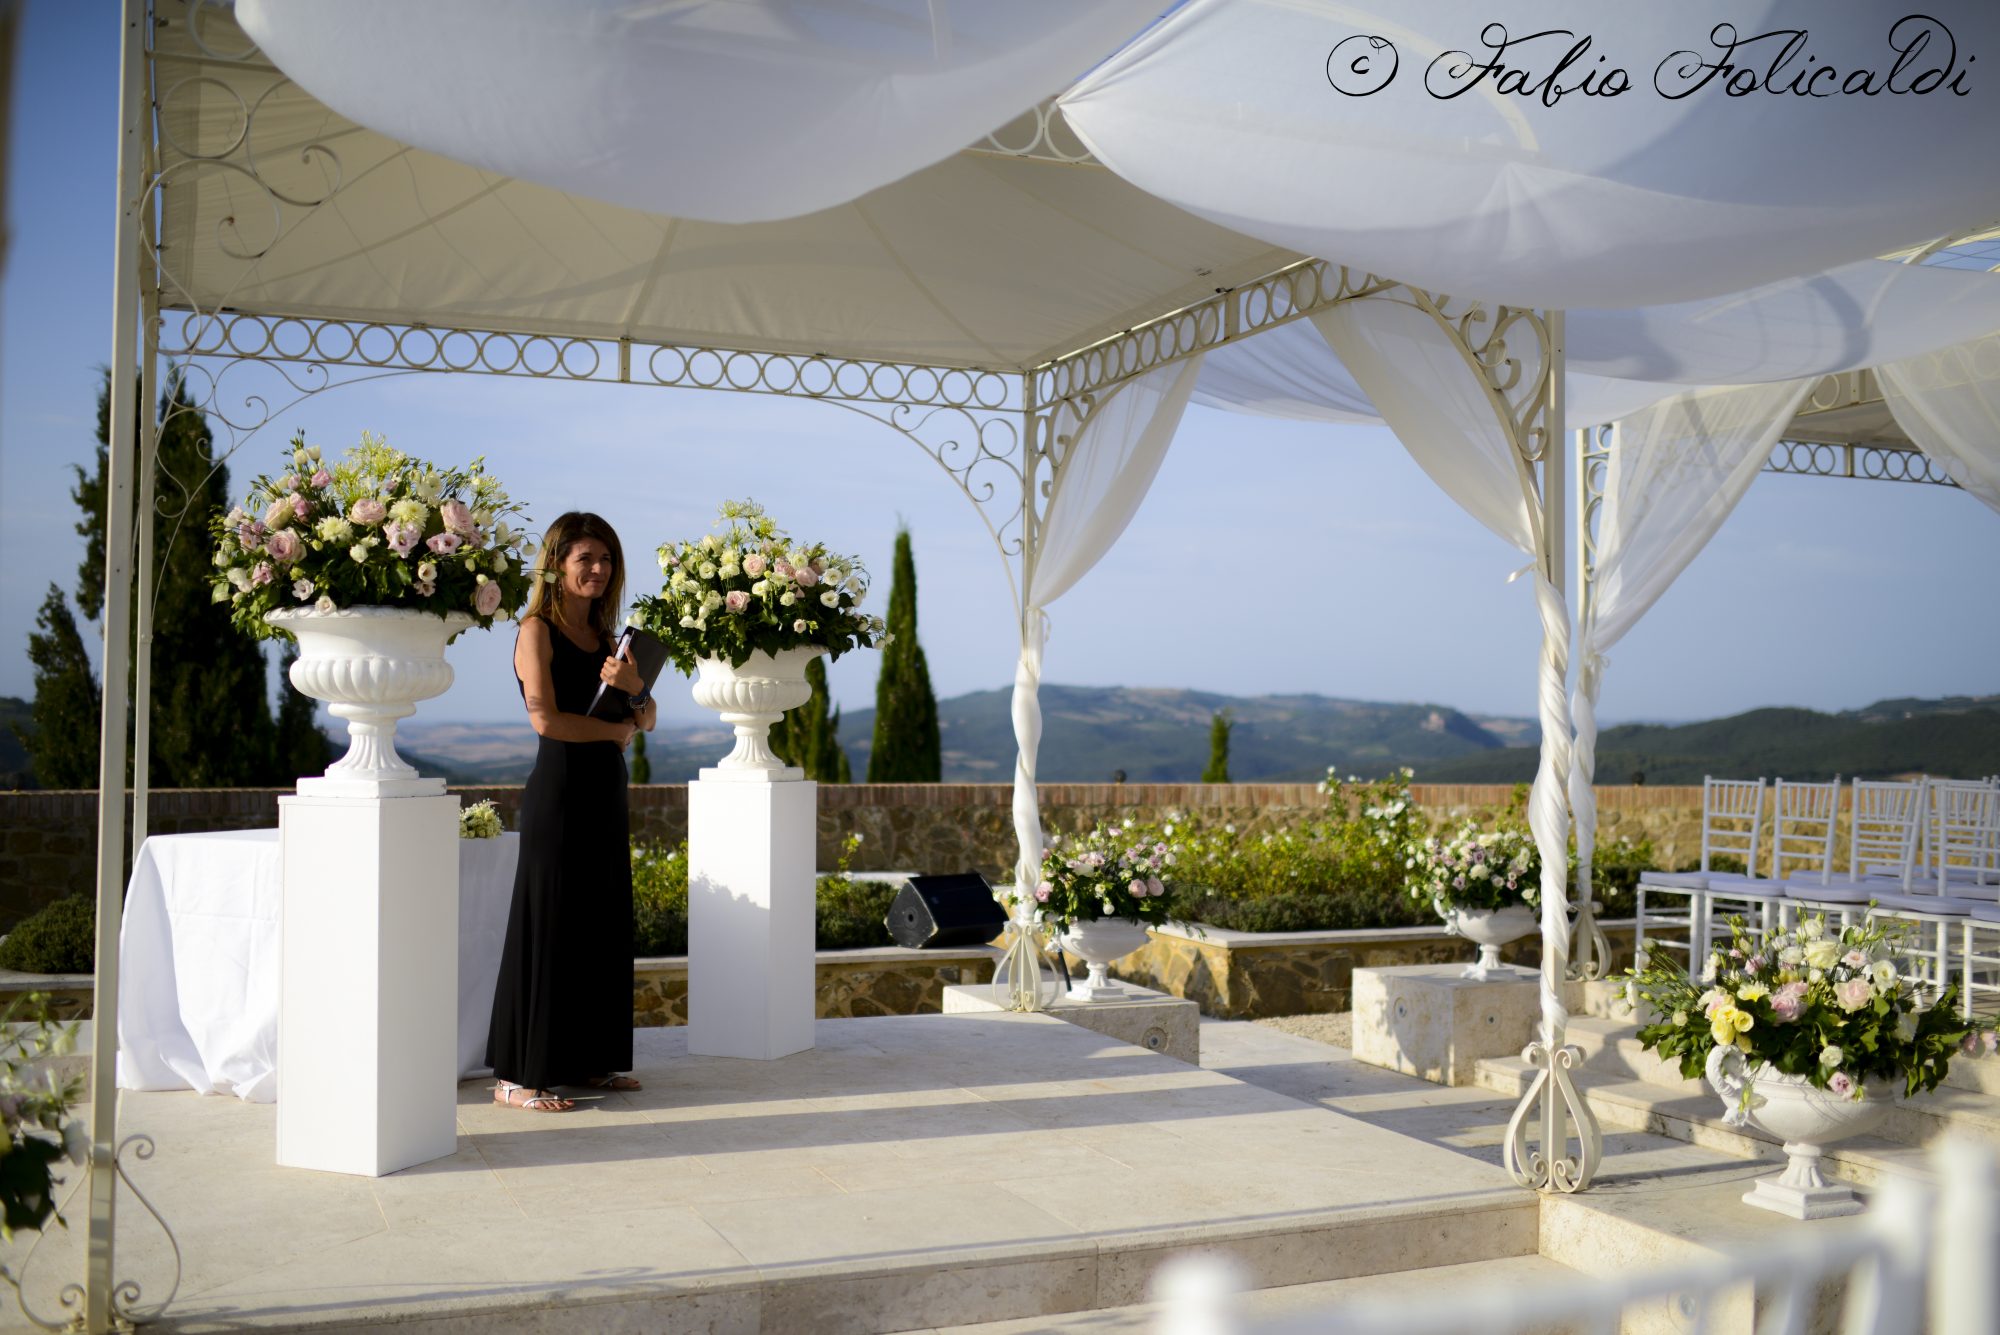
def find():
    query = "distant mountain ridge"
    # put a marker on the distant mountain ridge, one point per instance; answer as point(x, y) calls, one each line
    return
point(1958, 735)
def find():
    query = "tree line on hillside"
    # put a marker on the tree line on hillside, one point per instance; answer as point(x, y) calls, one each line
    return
point(213, 724)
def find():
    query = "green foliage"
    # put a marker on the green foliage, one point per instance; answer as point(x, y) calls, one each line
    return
point(1831, 1008)
point(906, 747)
point(62, 743)
point(1292, 911)
point(1614, 874)
point(751, 589)
point(34, 1115)
point(809, 736)
point(1217, 769)
point(850, 914)
point(56, 938)
point(641, 768)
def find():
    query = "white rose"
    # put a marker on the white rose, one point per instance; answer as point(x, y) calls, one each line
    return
point(708, 570)
point(325, 603)
point(1884, 974)
point(1831, 1055)
point(787, 599)
point(799, 626)
point(761, 587)
point(829, 599)
point(359, 551)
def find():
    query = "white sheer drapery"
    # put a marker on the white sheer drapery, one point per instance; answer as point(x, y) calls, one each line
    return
point(1326, 127)
point(729, 112)
point(1948, 402)
point(1099, 479)
point(1676, 471)
point(1448, 417)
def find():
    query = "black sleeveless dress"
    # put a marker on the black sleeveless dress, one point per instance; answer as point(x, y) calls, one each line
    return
point(562, 1010)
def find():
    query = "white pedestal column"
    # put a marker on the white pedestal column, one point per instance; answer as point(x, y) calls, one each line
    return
point(368, 994)
point(750, 914)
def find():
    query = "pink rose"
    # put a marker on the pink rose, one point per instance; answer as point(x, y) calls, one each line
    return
point(262, 574)
point(486, 599)
point(300, 506)
point(1788, 1003)
point(250, 536)
point(322, 479)
point(444, 544)
point(1138, 889)
point(402, 537)
point(285, 546)
point(368, 510)
point(806, 576)
point(736, 600)
point(302, 589)
point(755, 565)
point(800, 626)
point(784, 570)
point(1042, 892)
point(1154, 888)
point(1854, 993)
point(457, 516)
point(1841, 1083)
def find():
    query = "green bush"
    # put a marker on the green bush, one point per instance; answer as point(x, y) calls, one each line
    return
point(851, 915)
point(1614, 874)
point(1292, 911)
point(58, 938)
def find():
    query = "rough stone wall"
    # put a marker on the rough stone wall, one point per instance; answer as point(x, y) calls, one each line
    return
point(48, 839)
point(845, 990)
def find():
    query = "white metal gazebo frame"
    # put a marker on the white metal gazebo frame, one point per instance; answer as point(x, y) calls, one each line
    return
point(1001, 433)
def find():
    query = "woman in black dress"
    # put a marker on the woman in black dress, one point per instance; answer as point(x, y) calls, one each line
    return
point(562, 1010)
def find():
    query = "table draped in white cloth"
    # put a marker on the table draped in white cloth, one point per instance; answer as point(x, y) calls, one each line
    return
point(198, 960)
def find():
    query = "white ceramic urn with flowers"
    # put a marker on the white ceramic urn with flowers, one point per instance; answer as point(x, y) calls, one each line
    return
point(1100, 892)
point(372, 563)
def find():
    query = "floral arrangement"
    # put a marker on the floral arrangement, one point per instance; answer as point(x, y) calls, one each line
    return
point(1474, 869)
point(375, 529)
point(34, 1115)
point(1114, 871)
point(480, 821)
point(1831, 1007)
point(751, 589)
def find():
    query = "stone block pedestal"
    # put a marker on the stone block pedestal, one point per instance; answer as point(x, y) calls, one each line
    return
point(368, 986)
point(1428, 1020)
point(751, 910)
point(1151, 1020)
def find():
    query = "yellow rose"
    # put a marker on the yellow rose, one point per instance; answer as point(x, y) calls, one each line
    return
point(1752, 991)
point(1823, 954)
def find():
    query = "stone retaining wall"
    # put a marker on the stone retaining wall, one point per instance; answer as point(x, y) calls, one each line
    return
point(48, 839)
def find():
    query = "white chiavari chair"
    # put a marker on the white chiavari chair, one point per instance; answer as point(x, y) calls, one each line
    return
point(1732, 818)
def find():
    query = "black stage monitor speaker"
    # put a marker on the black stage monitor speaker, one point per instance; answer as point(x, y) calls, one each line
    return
point(937, 912)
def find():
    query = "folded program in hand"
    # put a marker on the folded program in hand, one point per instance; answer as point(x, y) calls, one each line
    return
point(648, 653)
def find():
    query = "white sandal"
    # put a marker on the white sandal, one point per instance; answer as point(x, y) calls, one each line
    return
point(538, 1100)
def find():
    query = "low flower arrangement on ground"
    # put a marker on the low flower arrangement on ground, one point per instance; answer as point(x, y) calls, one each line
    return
point(35, 1116)
point(480, 821)
point(1830, 1006)
point(377, 528)
point(750, 589)
point(1113, 871)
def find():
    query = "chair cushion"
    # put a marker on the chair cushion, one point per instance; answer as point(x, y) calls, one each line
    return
point(1675, 880)
point(1836, 892)
point(1761, 892)
point(1718, 879)
point(1985, 913)
point(1935, 905)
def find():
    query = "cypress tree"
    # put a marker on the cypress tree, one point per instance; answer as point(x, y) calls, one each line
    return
point(62, 748)
point(906, 747)
point(1218, 749)
point(211, 723)
point(809, 736)
point(299, 746)
point(641, 767)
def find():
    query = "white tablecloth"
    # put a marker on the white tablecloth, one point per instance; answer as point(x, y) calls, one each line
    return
point(198, 960)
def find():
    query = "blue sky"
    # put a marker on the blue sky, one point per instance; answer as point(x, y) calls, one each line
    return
point(1270, 557)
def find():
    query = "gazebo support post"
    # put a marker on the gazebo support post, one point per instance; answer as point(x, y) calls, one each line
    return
point(122, 437)
point(1590, 458)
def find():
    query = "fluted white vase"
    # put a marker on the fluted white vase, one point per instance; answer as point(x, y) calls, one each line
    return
point(370, 665)
point(1490, 929)
point(750, 699)
point(1807, 1119)
point(1100, 943)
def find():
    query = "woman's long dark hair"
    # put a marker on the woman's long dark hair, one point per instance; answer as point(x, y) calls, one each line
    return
point(545, 595)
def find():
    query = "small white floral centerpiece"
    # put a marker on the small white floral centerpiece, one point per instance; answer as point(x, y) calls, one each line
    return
point(1114, 871)
point(1474, 869)
point(377, 528)
point(750, 588)
point(1830, 1008)
point(480, 821)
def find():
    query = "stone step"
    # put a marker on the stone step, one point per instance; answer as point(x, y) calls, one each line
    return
point(1500, 1275)
point(1694, 1115)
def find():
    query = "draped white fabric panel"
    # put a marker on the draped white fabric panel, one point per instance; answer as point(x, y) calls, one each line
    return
point(1948, 402)
point(1099, 484)
point(725, 111)
point(1432, 398)
point(1342, 130)
point(1676, 471)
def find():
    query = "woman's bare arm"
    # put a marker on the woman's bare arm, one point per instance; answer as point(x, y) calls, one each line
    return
point(534, 652)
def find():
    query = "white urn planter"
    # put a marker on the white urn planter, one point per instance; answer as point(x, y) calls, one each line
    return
point(1490, 929)
point(750, 699)
point(1806, 1119)
point(1100, 943)
point(371, 665)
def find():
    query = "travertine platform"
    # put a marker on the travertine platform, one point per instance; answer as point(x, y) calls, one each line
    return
point(908, 1172)
point(1430, 1020)
point(1152, 1020)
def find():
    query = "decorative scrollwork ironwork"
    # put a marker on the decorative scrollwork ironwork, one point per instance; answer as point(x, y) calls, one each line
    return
point(1559, 1108)
point(127, 1308)
point(1040, 133)
point(1876, 463)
